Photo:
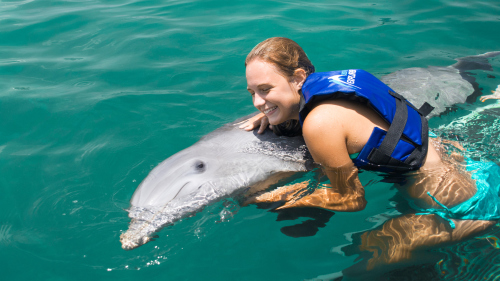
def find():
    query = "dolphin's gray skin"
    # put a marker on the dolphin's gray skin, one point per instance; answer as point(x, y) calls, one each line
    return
point(223, 163)
point(441, 87)
point(230, 160)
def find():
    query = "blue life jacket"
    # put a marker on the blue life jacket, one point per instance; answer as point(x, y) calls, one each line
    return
point(404, 146)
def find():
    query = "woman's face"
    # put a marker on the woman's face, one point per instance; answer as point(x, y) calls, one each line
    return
point(273, 94)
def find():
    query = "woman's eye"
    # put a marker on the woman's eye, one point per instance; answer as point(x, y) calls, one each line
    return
point(266, 90)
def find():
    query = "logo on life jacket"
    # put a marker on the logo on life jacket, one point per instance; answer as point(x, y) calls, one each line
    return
point(351, 76)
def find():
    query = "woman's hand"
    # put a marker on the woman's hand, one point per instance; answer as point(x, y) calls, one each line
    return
point(260, 120)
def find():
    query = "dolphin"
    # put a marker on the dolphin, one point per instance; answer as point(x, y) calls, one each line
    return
point(230, 161)
point(223, 163)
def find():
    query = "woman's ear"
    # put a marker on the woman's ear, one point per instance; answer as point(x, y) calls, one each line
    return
point(299, 77)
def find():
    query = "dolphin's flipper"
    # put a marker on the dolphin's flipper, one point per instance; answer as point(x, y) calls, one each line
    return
point(496, 95)
point(479, 62)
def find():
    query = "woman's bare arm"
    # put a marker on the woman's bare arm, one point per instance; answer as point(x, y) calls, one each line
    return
point(327, 197)
point(325, 132)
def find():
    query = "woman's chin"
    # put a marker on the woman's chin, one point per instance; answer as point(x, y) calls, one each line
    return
point(277, 118)
point(275, 121)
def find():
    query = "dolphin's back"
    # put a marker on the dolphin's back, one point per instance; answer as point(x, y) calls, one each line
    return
point(290, 153)
point(441, 87)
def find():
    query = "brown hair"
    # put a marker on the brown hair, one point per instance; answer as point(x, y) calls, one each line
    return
point(282, 52)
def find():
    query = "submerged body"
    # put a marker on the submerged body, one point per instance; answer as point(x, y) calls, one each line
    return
point(230, 161)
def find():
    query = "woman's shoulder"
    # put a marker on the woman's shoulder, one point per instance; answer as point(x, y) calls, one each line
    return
point(332, 113)
point(354, 116)
point(328, 119)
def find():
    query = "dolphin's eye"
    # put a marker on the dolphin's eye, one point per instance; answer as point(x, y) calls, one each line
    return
point(200, 166)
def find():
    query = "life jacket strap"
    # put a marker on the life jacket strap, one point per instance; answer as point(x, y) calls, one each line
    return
point(418, 155)
point(425, 109)
point(382, 154)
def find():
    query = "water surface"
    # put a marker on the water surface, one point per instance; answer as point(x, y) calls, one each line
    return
point(94, 94)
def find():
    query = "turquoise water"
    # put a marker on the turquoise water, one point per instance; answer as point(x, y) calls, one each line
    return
point(94, 94)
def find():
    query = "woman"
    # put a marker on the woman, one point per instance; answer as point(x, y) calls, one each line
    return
point(339, 127)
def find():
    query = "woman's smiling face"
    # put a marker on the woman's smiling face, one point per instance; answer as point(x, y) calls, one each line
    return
point(273, 94)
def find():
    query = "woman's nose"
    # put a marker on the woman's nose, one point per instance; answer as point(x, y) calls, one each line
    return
point(258, 101)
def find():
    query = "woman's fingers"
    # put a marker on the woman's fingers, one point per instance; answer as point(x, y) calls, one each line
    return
point(250, 125)
point(264, 122)
point(283, 193)
point(258, 121)
point(252, 122)
point(247, 126)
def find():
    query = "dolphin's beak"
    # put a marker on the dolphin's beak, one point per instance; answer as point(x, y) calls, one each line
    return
point(130, 244)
